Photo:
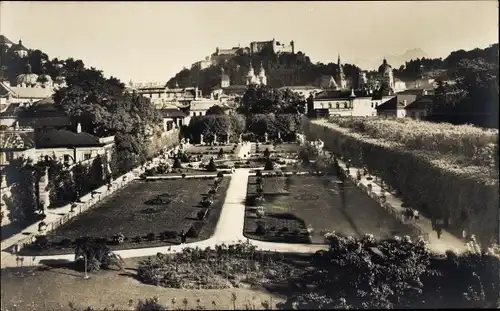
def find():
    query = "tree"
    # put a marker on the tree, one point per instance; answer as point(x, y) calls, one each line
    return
point(267, 153)
point(264, 100)
point(215, 110)
point(269, 166)
point(211, 167)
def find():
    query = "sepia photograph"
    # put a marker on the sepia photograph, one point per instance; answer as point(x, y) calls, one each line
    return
point(249, 155)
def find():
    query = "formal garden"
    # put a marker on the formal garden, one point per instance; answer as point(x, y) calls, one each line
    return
point(144, 214)
point(301, 208)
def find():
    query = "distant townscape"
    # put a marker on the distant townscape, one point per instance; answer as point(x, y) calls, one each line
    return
point(273, 181)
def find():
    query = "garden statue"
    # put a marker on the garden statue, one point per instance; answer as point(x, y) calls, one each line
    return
point(187, 141)
point(201, 139)
point(279, 135)
point(227, 139)
point(240, 139)
point(215, 139)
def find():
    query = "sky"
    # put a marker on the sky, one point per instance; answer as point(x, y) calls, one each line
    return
point(152, 41)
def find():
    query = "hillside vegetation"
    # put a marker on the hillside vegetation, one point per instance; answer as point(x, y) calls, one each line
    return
point(281, 70)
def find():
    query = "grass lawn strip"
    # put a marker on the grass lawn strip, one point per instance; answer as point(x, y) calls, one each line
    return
point(314, 202)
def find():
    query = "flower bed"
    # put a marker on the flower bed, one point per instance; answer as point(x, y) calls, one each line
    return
point(465, 195)
point(148, 214)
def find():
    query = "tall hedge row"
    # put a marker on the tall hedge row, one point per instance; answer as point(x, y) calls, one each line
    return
point(468, 199)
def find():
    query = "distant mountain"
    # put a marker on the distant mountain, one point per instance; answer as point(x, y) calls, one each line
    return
point(395, 60)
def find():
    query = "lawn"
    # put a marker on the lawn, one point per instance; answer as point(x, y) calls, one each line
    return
point(296, 203)
point(54, 288)
point(133, 213)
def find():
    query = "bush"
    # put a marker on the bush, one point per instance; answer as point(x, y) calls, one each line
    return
point(177, 163)
point(220, 174)
point(183, 175)
point(137, 239)
point(169, 235)
point(41, 241)
point(221, 152)
point(269, 165)
point(211, 167)
point(258, 173)
point(195, 230)
point(261, 228)
point(150, 237)
point(151, 304)
point(202, 214)
point(267, 153)
point(118, 238)
point(65, 243)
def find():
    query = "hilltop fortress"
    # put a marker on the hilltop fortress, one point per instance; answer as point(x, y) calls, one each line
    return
point(222, 55)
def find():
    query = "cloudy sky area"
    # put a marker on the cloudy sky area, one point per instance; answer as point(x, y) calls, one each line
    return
point(147, 41)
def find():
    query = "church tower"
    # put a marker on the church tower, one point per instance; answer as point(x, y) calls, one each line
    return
point(251, 78)
point(224, 79)
point(341, 78)
point(262, 75)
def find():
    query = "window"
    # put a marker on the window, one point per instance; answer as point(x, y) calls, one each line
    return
point(330, 105)
point(345, 105)
point(372, 104)
point(86, 156)
point(66, 158)
point(338, 105)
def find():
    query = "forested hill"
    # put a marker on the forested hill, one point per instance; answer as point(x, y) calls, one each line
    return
point(412, 69)
point(297, 69)
point(281, 70)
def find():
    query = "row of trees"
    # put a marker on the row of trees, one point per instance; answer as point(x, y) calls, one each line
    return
point(262, 110)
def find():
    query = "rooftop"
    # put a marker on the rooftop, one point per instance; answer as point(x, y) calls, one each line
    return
point(65, 138)
point(343, 94)
point(4, 40)
point(391, 104)
point(172, 113)
point(26, 92)
point(425, 102)
point(16, 140)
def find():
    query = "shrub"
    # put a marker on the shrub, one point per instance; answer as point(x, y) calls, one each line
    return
point(41, 241)
point(150, 237)
point(269, 165)
point(220, 174)
point(211, 167)
point(261, 228)
point(150, 304)
point(183, 175)
point(65, 243)
point(195, 230)
point(169, 235)
point(177, 163)
point(221, 152)
point(118, 238)
point(258, 173)
point(137, 239)
point(202, 214)
point(267, 153)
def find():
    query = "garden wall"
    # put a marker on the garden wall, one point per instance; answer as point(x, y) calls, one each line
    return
point(464, 198)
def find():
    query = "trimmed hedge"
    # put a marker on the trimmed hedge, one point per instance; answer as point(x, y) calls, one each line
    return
point(468, 198)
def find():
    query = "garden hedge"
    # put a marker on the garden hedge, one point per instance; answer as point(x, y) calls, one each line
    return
point(463, 195)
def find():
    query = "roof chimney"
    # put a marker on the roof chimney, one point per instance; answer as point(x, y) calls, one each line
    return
point(79, 128)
